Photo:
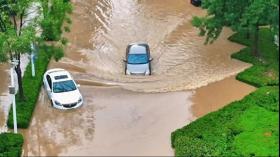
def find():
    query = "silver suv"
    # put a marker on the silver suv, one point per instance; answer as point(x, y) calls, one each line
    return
point(138, 59)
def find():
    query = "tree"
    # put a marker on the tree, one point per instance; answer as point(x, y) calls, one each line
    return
point(55, 12)
point(239, 15)
point(16, 37)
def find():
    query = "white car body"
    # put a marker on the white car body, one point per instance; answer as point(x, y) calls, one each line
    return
point(63, 99)
point(134, 67)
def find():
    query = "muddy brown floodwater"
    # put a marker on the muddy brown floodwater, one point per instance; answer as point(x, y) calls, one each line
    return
point(216, 95)
point(128, 115)
point(102, 29)
point(112, 121)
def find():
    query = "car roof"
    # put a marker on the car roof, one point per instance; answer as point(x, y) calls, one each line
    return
point(138, 49)
point(58, 75)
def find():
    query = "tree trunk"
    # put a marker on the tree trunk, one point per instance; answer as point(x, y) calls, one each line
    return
point(247, 33)
point(255, 46)
point(19, 78)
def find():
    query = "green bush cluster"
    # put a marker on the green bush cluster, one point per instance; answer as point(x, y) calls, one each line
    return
point(10, 145)
point(32, 86)
point(243, 128)
point(257, 76)
point(265, 70)
point(221, 133)
point(54, 17)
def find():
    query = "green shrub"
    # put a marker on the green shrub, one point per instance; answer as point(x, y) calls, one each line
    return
point(244, 128)
point(265, 70)
point(10, 145)
point(267, 97)
point(58, 53)
point(219, 133)
point(260, 133)
point(31, 86)
point(52, 28)
point(194, 147)
point(259, 76)
point(241, 38)
point(245, 55)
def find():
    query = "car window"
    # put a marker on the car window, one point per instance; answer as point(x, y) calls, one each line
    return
point(137, 59)
point(49, 81)
point(64, 86)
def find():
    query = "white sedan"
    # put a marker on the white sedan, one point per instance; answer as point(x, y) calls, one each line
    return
point(62, 89)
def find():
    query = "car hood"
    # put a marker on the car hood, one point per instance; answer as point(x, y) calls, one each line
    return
point(138, 68)
point(67, 97)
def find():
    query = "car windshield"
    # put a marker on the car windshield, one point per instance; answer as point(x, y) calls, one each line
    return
point(63, 86)
point(137, 59)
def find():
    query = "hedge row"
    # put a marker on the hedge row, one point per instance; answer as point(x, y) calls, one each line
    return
point(54, 18)
point(32, 86)
point(10, 145)
point(265, 70)
point(243, 128)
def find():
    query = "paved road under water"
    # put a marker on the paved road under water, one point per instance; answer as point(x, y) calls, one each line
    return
point(125, 115)
point(102, 30)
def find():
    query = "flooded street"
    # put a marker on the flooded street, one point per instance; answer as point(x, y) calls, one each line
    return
point(134, 115)
point(102, 30)
point(111, 122)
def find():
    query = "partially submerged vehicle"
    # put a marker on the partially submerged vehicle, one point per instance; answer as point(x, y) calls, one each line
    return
point(62, 89)
point(138, 59)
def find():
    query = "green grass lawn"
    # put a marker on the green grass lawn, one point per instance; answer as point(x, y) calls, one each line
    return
point(10, 145)
point(248, 127)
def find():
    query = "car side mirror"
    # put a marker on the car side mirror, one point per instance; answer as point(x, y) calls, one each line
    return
point(78, 85)
point(124, 60)
point(150, 59)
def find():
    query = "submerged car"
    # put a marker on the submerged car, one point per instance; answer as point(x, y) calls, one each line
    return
point(62, 89)
point(138, 59)
point(196, 3)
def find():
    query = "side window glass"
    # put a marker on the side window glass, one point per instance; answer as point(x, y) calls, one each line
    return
point(49, 81)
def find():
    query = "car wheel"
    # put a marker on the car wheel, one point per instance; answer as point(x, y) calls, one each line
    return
point(191, 1)
point(125, 70)
point(51, 103)
point(150, 69)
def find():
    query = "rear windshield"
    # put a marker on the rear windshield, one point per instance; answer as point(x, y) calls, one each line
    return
point(137, 49)
point(137, 59)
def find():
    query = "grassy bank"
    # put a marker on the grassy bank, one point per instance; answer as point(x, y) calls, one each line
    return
point(243, 128)
point(10, 145)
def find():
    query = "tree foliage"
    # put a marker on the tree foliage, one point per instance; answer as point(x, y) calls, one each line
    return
point(55, 13)
point(15, 36)
point(18, 27)
point(239, 15)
